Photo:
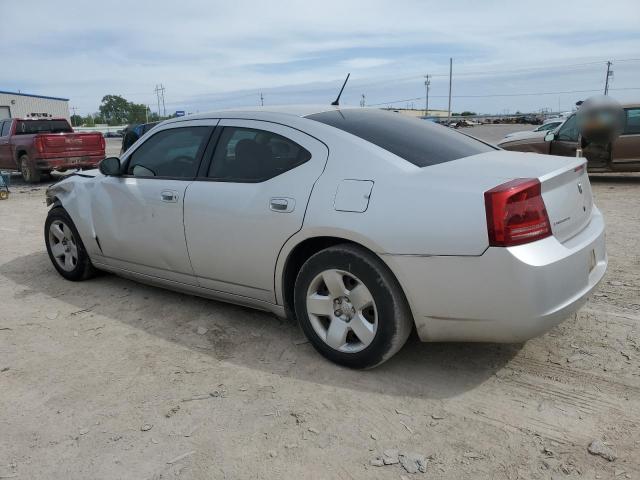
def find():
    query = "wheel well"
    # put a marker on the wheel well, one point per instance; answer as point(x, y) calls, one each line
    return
point(19, 153)
point(296, 259)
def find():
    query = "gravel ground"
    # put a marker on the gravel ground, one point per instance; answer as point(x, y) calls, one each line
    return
point(112, 379)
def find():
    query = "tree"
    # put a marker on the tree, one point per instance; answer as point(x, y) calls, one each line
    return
point(115, 109)
point(76, 120)
point(137, 113)
point(467, 113)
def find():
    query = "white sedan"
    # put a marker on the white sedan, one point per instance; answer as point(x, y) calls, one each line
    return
point(359, 223)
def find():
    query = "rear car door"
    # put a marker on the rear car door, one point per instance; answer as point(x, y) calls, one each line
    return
point(138, 217)
point(626, 148)
point(251, 199)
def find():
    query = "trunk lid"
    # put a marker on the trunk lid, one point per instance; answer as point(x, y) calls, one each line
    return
point(569, 201)
point(566, 190)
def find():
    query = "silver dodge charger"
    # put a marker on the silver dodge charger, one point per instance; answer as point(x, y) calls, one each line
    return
point(359, 223)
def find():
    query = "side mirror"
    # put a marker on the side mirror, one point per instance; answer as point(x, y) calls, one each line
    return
point(110, 166)
point(549, 137)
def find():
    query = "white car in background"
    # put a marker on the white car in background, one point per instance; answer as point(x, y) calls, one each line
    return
point(362, 224)
point(540, 131)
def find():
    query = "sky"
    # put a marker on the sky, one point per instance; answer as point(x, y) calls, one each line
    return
point(507, 55)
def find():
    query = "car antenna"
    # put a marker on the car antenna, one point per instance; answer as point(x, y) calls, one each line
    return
point(337, 100)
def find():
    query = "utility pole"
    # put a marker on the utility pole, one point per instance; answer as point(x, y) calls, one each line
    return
point(160, 94)
point(157, 90)
point(164, 109)
point(427, 84)
point(74, 114)
point(362, 101)
point(450, 77)
point(609, 74)
point(261, 100)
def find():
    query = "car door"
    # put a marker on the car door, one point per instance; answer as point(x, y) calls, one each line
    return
point(626, 148)
point(6, 159)
point(565, 142)
point(253, 198)
point(138, 216)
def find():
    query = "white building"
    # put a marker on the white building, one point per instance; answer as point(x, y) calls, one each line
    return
point(20, 105)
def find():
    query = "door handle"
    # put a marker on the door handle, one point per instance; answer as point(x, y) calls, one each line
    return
point(282, 204)
point(169, 196)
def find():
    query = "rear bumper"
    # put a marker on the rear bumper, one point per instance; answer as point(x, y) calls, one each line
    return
point(83, 161)
point(506, 295)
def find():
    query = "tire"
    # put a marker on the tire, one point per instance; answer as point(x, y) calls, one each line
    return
point(372, 307)
point(30, 173)
point(65, 248)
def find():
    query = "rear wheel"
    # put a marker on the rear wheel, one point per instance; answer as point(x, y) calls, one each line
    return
point(30, 173)
point(65, 248)
point(351, 307)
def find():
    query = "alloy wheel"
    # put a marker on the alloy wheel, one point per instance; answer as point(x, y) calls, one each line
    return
point(342, 311)
point(63, 245)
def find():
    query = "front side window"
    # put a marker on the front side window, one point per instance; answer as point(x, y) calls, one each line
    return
point(547, 126)
point(569, 130)
point(250, 155)
point(170, 153)
point(420, 142)
point(632, 125)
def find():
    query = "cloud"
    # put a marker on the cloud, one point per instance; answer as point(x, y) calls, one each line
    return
point(219, 54)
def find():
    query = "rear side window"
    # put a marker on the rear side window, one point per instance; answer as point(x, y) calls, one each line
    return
point(6, 126)
point(248, 155)
point(170, 153)
point(420, 142)
point(28, 127)
point(633, 121)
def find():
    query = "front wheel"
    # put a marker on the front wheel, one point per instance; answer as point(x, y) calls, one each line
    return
point(65, 248)
point(351, 307)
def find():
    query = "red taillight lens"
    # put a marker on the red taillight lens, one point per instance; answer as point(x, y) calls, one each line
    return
point(39, 144)
point(516, 213)
point(102, 143)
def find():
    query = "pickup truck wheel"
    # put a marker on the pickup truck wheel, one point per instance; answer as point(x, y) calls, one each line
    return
point(29, 171)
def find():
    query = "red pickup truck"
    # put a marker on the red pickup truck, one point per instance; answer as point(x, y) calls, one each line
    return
point(38, 146)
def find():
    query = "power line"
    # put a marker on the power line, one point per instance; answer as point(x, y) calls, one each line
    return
point(404, 100)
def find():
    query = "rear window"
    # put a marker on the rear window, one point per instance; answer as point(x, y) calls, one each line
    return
point(420, 142)
point(25, 127)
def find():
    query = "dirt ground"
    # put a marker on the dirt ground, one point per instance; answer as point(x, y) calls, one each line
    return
point(110, 379)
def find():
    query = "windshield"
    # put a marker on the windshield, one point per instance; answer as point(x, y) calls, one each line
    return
point(420, 142)
point(26, 127)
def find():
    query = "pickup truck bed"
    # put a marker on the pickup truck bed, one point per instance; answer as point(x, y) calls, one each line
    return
point(38, 146)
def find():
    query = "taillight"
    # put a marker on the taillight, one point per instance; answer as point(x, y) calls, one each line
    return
point(516, 213)
point(102, 143)
point(39, 144)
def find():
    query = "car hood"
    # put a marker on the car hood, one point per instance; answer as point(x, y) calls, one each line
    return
point(94, 172)
point(522, 135)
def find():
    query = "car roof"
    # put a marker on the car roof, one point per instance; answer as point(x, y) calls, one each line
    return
point(29, 119)
point(293, 110)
